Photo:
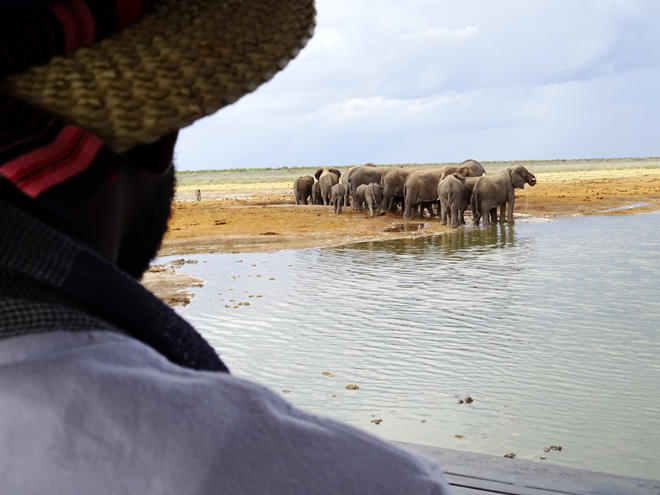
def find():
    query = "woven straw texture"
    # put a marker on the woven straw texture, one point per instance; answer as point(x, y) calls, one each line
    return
point(184, 61)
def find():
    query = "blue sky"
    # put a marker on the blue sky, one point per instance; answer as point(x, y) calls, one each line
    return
point(418, 81)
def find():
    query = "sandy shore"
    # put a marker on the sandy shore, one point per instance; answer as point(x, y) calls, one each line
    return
point(264, 217)
point(234, 218)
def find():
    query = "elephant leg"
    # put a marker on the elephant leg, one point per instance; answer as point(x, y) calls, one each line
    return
point(443, 212)
point(492, 213)
point(511, 203)
point(503, 216)
point(407, 212)
point(382, 207)
point(476, 214)
point(454, 216)
point(387, 204)
point(486, 216)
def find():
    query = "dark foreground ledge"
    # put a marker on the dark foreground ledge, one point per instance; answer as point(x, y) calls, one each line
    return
point(471, 474)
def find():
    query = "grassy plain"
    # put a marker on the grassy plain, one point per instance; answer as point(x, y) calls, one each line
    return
point(269, 178)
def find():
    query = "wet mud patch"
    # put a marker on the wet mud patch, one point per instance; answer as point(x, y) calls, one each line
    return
point(405, 227)
point(169, 285)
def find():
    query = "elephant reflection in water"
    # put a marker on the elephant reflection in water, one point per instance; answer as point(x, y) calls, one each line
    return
point(469, 240)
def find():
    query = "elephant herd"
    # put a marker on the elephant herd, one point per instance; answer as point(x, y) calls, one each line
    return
point(379, 190)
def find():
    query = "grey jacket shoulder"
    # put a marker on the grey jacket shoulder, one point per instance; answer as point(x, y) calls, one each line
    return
point(99, 412)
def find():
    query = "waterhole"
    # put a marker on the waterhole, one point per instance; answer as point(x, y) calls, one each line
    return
point(626, 207)
point(552, 329)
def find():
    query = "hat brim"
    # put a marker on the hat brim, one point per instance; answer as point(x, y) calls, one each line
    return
point(184, 61)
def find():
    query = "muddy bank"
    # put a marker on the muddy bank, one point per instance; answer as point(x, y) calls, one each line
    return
point(254, 220)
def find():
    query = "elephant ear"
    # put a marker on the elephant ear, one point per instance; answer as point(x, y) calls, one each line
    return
point(335, 171)
point(516, 178)
point(318, 173)
point(460, 177)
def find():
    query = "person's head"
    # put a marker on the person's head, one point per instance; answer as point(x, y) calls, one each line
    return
point(93, 93)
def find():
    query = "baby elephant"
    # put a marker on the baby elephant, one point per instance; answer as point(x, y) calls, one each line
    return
point(358, 197)
point(451, 193)
point(337, 197)
point(373, 196)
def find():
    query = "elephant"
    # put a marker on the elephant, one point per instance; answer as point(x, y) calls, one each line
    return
point(475, 166)
point(373, 197)
point(496, 190)
point(337, 197)
point(302, 188)
point(327, 177)
point(392, 186)
point(358, 197)
point(364, 174)
point(467, 195)
point(421, 189)
point(316, 194)
point(347, 191)
point(451, 194)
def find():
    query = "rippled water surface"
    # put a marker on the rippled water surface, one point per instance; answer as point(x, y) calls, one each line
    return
point(552, 328)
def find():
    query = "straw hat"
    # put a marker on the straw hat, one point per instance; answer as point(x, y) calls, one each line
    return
point(181, 62)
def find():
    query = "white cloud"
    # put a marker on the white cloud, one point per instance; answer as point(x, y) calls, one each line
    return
point(419, 80)
point(452, 35)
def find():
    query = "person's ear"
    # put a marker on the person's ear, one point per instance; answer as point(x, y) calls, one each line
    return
point(156, 157)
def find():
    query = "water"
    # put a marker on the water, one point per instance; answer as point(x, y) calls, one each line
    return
point(552, 328)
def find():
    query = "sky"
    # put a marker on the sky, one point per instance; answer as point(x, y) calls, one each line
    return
point(424, 81)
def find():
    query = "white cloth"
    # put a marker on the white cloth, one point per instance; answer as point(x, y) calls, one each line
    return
point(101, 413)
